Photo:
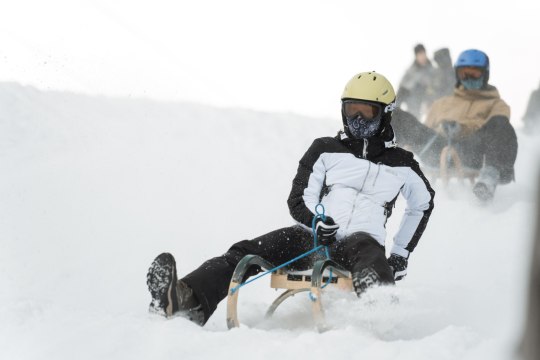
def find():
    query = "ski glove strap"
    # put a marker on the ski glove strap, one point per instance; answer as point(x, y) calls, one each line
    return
point(398, 264)
point(326, 231)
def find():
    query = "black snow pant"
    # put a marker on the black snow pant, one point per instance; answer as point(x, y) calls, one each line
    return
point(494, 144)
point(210, 282)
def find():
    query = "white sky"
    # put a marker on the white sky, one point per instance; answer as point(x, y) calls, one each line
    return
point(280, 55)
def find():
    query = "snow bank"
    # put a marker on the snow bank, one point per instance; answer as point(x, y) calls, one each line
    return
point(94, 188)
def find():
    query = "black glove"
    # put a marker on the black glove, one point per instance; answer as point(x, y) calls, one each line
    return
point(451, 129)
point(326, 231)
point(398, 264)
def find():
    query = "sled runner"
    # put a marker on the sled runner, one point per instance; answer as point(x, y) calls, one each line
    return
point(451, 167)
point(313, 280)
point(450, 164)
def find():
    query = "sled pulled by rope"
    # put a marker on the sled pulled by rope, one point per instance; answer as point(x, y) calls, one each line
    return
point(450, 164)
point(325, 273)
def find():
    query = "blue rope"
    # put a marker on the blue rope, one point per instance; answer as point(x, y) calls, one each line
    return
point(319, 215)
point(233, 290)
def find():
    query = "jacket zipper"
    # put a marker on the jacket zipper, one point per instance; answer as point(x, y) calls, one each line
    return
point(364, 150)
point(364, 155)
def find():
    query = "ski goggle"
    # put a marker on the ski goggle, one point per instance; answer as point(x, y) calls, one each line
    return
point(366, 110)
point(469, 72)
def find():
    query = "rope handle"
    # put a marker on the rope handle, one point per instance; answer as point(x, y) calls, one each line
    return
point(233, 290)
point(320, 214)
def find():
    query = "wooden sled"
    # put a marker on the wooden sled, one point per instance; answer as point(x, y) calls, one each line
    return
point(450, 166)
point(293, 282)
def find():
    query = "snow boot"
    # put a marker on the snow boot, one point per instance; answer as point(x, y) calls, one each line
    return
point(487, 182)
point(188, 305)
point(365, 279)
point(169, 295)
point(161, 280)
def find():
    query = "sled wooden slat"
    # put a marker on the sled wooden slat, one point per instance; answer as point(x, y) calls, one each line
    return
point(232, 306)
point(238, 275)
point(451, 166)
point(317, 282)
point(284, 280)
point(448, 154)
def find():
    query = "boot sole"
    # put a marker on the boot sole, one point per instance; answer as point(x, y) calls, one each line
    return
point(161, 280)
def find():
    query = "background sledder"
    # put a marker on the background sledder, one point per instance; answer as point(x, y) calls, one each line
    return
point(474, 121)
point(357, 177)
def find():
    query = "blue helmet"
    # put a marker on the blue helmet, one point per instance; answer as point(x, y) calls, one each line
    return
point(476, 58)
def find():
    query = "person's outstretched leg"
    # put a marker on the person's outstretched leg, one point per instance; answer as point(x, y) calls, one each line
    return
point(208, 285)
point(500, 147)
point(423, 141)
point(365, 258)
point(169, 295)
point(493, 149)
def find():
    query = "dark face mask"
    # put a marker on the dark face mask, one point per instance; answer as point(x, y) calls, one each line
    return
point(361, 128)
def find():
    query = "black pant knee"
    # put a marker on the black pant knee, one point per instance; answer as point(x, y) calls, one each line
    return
point(359, 251)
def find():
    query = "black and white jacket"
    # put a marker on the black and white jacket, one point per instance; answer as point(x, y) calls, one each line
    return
point(358, 182)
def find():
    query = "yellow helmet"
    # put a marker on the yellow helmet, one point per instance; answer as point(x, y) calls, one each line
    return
point(369, 86)
point(375, 91)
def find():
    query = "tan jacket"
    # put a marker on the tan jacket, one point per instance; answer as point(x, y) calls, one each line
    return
point(470, 108)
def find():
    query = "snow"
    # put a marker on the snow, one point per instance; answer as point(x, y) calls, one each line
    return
point(93, 188)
